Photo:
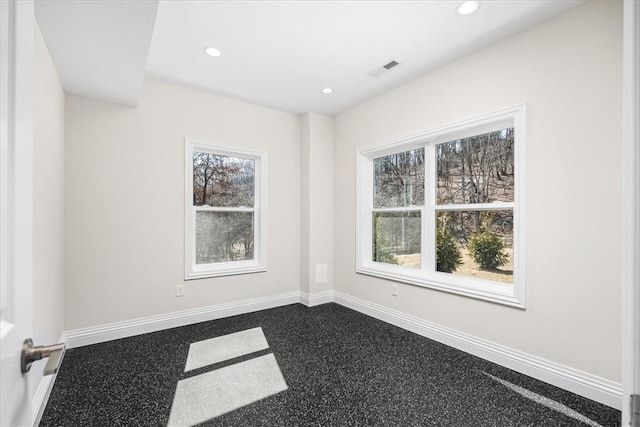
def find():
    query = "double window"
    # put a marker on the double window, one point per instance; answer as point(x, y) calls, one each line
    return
point(224, 210)
point(444, 209)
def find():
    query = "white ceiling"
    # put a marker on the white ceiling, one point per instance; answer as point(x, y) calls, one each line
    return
point(99, 47)
point(278, 54)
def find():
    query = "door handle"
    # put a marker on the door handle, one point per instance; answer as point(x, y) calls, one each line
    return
point(31, 353)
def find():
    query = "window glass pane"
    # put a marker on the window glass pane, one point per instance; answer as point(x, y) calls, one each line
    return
point(223, 181)
point(224, 236)
point(399, 179)
point(396, 238)
point(478, 169)
point(475, 244)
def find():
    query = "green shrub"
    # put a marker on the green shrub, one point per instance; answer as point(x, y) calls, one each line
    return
point(448, 257)
point(486, 249)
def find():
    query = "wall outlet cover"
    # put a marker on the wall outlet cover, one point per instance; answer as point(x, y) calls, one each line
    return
point(322, 273)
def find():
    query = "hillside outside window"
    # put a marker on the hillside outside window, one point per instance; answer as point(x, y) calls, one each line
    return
point(444, 209)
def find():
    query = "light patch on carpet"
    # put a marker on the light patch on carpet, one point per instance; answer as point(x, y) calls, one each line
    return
point(219, 349)
point(214, 393)
point(545, 401)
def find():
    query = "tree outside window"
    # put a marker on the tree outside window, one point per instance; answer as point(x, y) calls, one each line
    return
point(224, 211)
point(443, 208)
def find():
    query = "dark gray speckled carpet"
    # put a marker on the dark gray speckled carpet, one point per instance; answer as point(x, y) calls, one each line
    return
point(342, 368)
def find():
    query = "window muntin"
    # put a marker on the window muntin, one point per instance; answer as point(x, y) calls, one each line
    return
point(470, 185)
point(224, 212)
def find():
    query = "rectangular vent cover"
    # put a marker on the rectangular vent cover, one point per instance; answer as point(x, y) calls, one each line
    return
point(378, 71)
point(390, 65)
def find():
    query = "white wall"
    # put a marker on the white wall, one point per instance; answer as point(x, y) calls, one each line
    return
point(317, 202)
point(305, 199)
point(125, 202)
point(568, 72)
point(48, 203)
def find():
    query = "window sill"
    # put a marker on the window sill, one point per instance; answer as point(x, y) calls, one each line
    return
point(474, 288)
point(224, 269)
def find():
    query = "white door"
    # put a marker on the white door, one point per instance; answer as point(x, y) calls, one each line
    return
point(631, 210)
point(16, 181)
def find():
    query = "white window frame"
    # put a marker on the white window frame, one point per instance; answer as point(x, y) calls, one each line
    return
point(427, 275)
point(258, 263)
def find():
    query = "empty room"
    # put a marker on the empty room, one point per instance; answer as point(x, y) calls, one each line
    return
point(320, 213)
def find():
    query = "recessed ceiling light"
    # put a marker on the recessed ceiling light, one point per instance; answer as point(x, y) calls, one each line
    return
point(468, 7)
point(212, 51)
point(327, 90)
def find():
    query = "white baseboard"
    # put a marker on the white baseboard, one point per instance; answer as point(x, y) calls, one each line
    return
point(129, 328)
point(40, 398)
point(39, 401)
point(595, 388)
point(316, 298)
point(581, 383)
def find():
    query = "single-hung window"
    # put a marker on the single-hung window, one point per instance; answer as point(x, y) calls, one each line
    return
point(444, 209)
point(398, 198)
point(224, 210)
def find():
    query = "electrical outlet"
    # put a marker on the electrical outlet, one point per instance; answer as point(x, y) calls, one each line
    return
point(179, 290)
point(394, 290)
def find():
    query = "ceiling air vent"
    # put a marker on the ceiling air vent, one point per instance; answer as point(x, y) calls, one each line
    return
point(390, 65)
point(378, 71)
